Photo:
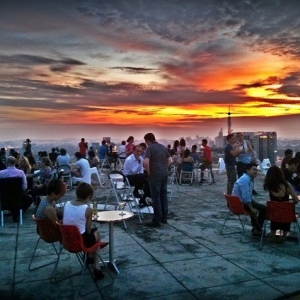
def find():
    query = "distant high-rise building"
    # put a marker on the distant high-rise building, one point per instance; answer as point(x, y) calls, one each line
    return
point(219, 140)
point(264, 143)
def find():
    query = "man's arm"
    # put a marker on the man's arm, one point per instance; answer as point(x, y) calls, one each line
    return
point(169, 159)
point(235, 150)
point(250, 149)
point(147, 165)
point(51, 214)
point(24, 182)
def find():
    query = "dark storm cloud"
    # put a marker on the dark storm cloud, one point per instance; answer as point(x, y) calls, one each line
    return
point(133, 70)
point(55, 65)
point(261, 83)
point(272, 26)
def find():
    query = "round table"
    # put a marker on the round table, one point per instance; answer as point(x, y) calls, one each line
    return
point(111, 216)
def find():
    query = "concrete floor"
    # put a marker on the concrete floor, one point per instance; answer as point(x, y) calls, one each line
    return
point(184, 259)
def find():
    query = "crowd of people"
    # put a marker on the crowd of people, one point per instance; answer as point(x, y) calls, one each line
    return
point(282, 183)
point(146, 165)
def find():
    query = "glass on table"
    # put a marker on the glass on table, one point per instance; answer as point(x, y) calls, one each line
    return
point(122, 206)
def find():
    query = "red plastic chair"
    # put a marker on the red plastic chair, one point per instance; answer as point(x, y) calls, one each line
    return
point(47, 232)
point(280, 212)
point(236, 207)
point(72, 241)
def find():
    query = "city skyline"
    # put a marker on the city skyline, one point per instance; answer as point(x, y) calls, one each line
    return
point(72, 69)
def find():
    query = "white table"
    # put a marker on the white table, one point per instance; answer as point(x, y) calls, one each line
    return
point(110, 217)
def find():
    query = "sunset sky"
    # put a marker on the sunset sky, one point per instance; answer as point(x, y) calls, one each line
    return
point(118, 68)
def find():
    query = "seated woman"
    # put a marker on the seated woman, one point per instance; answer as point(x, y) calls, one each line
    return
point(25, 166)
point(47, 208)
point(187, 157)
point(186, 163)
point(93, 159)
point(279, 190)
point(45, 175)
point(79, 213)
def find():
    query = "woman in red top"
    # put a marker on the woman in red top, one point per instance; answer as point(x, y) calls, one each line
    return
point(129, 146)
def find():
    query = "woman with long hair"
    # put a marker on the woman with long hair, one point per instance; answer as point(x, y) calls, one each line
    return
point(129, 146)
point(25, 166)
point(175, 146)
point(93, 159)
point(279, 190)
point(181, 147)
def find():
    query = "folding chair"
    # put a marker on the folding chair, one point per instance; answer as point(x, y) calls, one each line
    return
point(64, 172)
point(122, 158)
point(104, 164)
point(47, 232)
point(121, 189)
point(11, 196)
point(173, 182)
point(72, 241)
point(186, 172)
point(236, 207)
point(280, 212)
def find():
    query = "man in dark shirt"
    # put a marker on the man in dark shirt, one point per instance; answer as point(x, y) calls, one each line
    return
point(290, 174)
point(288, 154)
point(231, 152)
point(156, 164)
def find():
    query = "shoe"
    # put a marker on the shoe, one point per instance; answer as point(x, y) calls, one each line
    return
point(136, 194)
point(89, 261)
point(254, 192)
point(153, 224)
point(164, 221)
point(98, 274)
point(143, 202)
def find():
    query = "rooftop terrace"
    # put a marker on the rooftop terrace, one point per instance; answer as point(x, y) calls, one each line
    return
point(184, 259)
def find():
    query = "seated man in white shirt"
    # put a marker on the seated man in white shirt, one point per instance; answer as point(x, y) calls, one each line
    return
point(81, 172)
point(134, 171)
point(12, 171)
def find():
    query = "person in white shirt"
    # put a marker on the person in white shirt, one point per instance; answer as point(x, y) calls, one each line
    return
point(79, 213)
point(12, 171)
point(121, 150)
point(134, 171)
point(63, 158)
point(82, 168)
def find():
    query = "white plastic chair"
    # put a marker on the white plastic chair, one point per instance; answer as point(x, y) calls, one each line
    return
point(265, 165)
point(94, 170)
point(86, 178)
point(221, 165)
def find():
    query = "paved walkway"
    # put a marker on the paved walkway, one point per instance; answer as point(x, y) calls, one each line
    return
point(185, 259)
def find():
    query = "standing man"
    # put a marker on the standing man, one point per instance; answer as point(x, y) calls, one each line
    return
point(83, 146)
point(206, 161)
point(156, 164)
point(245, 152)
point(243, 189)
point(231, 152)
